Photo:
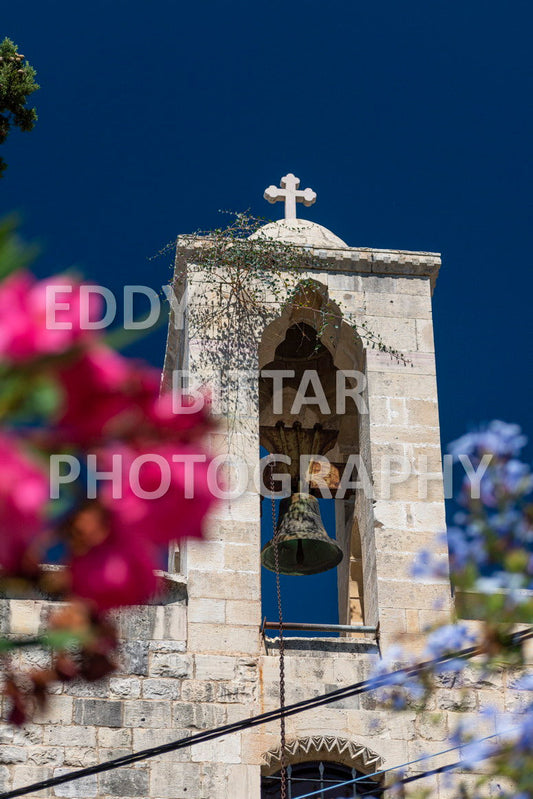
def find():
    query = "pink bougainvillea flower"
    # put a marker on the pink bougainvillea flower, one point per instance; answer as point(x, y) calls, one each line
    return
point(175, 418)
point(162, 492)
point(105, 396)
point(23, 495)
point(43, 317)
point(116, 572)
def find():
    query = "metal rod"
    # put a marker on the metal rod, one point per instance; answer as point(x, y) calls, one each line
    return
point(346, 628)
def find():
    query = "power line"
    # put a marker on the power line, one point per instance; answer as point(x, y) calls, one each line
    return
point(273, 715)
point(415, 777)
point(402, 766)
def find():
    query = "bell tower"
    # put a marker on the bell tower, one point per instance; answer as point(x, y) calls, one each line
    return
point(343, 387)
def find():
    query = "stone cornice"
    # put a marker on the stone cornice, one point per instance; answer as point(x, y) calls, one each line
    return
point(399, 263)
point(357, 260)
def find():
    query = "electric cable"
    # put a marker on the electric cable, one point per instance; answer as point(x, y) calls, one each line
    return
point(415, 777)
point(273, 715)
point(381, 772)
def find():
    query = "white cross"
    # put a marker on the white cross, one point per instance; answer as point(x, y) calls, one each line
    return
point(290, 195)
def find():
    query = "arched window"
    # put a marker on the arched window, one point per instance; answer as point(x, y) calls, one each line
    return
point(310, 409)
point(327, 777)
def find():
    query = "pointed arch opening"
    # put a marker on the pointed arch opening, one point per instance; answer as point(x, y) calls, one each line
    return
point(339, 766)
point(313, 411)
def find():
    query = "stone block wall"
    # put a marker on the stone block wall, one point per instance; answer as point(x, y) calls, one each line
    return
point(166, 691)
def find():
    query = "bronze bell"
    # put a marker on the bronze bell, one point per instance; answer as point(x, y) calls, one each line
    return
point(304, 546)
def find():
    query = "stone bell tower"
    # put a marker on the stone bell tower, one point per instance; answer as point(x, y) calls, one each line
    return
point(199, 656)
point(383, 445)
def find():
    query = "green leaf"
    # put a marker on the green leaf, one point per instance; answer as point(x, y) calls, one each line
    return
point(14, 254)
point(29, 396)
point(46, 397)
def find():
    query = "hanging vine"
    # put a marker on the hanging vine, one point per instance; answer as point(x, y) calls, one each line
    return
point(241, 281)
point(230, 283)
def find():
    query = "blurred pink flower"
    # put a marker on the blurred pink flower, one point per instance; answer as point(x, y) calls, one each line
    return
point(34, 323)
point(23, 495)
point(107, 396)
point(118, 571)
point(164, 492)
point(182, 423)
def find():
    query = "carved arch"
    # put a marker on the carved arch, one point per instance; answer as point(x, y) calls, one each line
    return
point(326, 748)
point(345, 347)
point(357, 587)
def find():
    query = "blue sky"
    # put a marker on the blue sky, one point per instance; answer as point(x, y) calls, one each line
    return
point(412, 121)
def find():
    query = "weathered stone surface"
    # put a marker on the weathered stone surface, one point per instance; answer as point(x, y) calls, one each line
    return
point(124, 687)
point(178, 781)
point(390, 384)
point(432, 726)
point(147, 713)
point(46, 755)
point(137, 622)
point(223, 750)
point(57, 711)
point(236, 692)
point(241, 557)
point(417, 286)
point(79, 757)
point(171, 622)
point(114, 738)
point(83, 788)
point(27, 735)
point(240, 611)
point(224, 640)
point(75, 735)
point(125, 782)
point(4, 778)
point(98, 689)
point(98, 712)
point(454, 699)
point(210, 611)
point(13, 754)
point(167, 646)
point(134, 657)
point(161, 688)
point(112, 754)
point(5, 616)
point(198, 691)
point(198, 716)
point(170, 664)
point(209, 667)
point(27, 774)
point(144, 738)
point(226, 585)
point(24, 617)
point(243, 781)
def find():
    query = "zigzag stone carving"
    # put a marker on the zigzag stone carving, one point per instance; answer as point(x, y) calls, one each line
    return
point(324, 747)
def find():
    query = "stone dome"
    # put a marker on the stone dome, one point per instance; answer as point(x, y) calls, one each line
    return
point(301, 232)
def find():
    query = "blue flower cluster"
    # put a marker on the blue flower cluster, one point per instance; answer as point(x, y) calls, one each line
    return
point(498, 438)
point(447, 640)
point(491, 544)
point(490, 558)
point(395, 688)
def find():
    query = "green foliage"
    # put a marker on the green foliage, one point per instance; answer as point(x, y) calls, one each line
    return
point(14, 254)
point(16, 84)
point(241, 282)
